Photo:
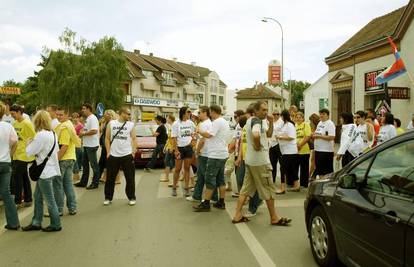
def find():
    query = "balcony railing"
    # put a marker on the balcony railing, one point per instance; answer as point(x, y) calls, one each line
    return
point(169, 82)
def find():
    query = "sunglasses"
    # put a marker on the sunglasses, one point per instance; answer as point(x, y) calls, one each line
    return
point(276, 114)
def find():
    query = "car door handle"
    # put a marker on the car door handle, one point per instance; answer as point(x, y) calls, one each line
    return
point(391, 218)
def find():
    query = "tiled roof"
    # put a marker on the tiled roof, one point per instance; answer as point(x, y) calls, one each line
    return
point(377, 29)
point(140, 62)
point(257, 92)
point(136, 72)
point(157, 63)
point(181, 69)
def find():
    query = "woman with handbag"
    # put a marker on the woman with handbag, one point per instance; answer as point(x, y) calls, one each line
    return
point(8, 142)
point(45, 168)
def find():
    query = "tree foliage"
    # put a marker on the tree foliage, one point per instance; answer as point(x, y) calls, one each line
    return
point(83, 72)
point(297, 89)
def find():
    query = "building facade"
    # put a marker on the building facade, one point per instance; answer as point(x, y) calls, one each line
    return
point(262, 92)
point(354, 66)
point(316, 97)
point(159, 86)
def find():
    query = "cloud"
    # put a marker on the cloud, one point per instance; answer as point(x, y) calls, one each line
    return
point(7, 48)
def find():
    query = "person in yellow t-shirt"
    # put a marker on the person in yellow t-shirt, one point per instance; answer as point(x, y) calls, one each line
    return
point(303, 135)
point(397, 125)
point(20, 182)
point(169, 158)
point(63, 185)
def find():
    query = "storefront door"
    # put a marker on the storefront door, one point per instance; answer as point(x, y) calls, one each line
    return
point(344, 105)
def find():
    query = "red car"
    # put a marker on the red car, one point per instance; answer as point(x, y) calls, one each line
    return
point(146, 144)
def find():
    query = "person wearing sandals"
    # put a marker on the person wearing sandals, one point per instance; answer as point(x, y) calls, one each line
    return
point(258, 168)
point(169, 160)
point(8, 142)
point(43, 143)
point(289, 149)
point(182, 133)
point(217, 153)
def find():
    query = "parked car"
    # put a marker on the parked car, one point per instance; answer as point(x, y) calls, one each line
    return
point(363, 215)
point(146, 144)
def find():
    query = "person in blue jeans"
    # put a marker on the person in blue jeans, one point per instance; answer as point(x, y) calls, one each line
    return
point(8, 141)
point(44, 142)
point(161, 139)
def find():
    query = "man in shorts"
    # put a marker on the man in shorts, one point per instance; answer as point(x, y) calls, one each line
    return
point(258, 168)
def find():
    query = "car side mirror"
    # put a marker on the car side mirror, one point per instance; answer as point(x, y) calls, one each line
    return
point(348, 181)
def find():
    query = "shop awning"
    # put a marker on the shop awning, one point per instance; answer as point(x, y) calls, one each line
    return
point(149, 109)
point(169, 110)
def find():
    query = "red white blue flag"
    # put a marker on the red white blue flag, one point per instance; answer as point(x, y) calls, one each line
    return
point(393, 71)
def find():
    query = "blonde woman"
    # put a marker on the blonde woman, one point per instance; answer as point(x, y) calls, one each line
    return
point(44, 142)
point(108, 116)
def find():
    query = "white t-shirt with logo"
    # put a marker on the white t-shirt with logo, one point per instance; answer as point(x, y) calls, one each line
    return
point(386, 132)
point(347, 134)
point(121, 145)
point(183, 131)
point(91, 123)
point(217, 144)
point(7, 135)
point(359, 142)
point(325, 128)
point(205, 126)
point(253, 157)
point(288, 147)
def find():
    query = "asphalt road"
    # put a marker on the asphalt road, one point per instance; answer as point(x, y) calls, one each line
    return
point(159, 231)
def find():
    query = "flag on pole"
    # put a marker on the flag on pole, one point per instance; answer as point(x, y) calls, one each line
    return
point(393, 71)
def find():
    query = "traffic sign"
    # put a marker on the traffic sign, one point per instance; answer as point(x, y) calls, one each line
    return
point(100, 109)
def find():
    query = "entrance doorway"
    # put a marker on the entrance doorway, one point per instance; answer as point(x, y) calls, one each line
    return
point(344, 105)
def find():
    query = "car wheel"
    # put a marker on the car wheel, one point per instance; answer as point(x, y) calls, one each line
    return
point(321, 238)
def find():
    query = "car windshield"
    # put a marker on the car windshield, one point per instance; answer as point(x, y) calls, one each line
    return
point(144, 130)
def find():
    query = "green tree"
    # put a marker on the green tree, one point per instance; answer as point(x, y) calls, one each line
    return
point(83, 72)
point(297, 89)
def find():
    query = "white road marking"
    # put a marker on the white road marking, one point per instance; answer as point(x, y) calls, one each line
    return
point(254, 245)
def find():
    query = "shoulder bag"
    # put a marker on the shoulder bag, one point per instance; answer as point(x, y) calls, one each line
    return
point(36, 170)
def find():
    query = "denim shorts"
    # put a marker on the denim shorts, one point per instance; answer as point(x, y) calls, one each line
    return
point(214, 176)
point(170, 160)
point(186, 152)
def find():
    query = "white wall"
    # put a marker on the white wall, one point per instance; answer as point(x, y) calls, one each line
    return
point(311, 96)
point(230, 102)
point(407, 54)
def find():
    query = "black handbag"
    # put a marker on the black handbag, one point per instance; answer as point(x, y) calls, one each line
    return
point(36, 170)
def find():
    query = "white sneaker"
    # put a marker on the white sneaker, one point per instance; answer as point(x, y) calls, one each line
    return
point(249, 214)
point(132, 202)
point(107, 202)
point(191, 199)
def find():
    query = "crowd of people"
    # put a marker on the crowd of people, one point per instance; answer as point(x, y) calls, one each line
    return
point(199, 145)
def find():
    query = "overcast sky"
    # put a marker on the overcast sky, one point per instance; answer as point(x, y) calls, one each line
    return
point(224, 35)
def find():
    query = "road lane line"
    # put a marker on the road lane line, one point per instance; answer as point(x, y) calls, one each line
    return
point(254, 245)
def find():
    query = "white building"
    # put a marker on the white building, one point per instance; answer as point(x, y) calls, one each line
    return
point(160, 86)
point(354, 66)
point(316, 96)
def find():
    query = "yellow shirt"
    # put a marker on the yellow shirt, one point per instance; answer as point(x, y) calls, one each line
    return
point(169, 144)
point(25, 131)
point(244, 142)
point(400, 131)
point(63, 131)
point(303, 130)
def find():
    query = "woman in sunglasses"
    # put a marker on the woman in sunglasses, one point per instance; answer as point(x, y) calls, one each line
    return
point(182, 134)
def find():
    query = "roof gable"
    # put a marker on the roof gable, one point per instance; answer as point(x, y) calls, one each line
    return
point(257, 92)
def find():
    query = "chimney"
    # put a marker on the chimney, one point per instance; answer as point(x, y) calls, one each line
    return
point(136, 51)
point(194, 63)
point(151, 54)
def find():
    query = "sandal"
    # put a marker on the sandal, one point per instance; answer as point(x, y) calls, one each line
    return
point(242, 220)
point(282, 222)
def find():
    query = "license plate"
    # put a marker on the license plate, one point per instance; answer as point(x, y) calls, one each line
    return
point(146, 155)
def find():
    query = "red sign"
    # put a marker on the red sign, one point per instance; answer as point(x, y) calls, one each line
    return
point(399, 92)
point(370, 83)
point(274, 75)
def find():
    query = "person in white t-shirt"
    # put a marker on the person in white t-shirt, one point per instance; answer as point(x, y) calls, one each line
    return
point(8, 143)
point(289, 149)
point(217, 153)
point(348, 132)
point(274, 151)
point(120, 142)
point(324, 137)
point(182, 133)
point(410, 125)
point(387, 130)
point(42, 144)
point(51, 109)
point(7, 117)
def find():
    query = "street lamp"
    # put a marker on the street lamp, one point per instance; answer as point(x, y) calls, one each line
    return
point(266, 19)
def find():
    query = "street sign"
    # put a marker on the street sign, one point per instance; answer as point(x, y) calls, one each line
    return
point(10, 90)
point(100, 109)
point(302, 104)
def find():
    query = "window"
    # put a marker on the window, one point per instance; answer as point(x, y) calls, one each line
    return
point(213, 99)
point(201, 99)
point(361, 169)
point(190, 80)
point(323, 103)
point(221, 100)
point(392, 171)
point(147, 73)
point(185, 96)
point(126, 88)
point(213, 85)
point(168, 78)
